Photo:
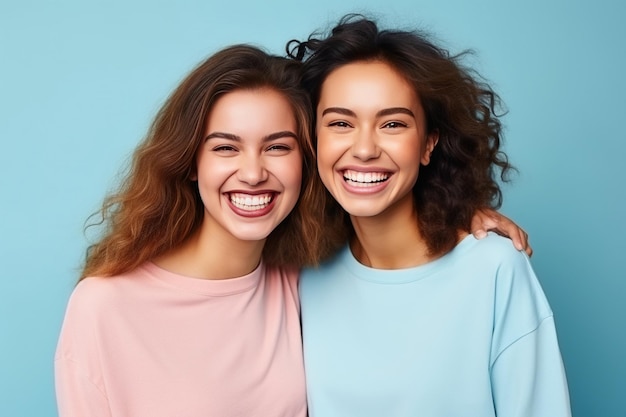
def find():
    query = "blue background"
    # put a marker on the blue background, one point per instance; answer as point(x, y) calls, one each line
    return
point(81, 80)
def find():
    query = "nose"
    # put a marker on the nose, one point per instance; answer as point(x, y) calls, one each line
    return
point(365, 146)
point(252, 170)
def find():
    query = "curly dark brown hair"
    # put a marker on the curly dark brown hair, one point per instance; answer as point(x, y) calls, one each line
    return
point(158, 206)
point(458, 104)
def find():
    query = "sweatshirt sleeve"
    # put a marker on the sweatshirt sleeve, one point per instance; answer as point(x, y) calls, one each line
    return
point(77, 395)
point(527, 372)
point(79, 384)
point(528, 378)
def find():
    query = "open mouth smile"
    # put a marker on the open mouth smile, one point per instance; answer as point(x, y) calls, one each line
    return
point(250, 202)
point(364, 179)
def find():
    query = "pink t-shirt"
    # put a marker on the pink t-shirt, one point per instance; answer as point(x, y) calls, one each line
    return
point(151, 343)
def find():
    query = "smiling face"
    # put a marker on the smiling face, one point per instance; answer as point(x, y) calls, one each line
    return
point(371, 138)
point(249, 169)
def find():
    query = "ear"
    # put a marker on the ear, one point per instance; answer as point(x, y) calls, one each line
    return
point(431, 141)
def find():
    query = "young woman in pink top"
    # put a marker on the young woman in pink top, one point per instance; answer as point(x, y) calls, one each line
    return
point(188, 305)
point(191, 305)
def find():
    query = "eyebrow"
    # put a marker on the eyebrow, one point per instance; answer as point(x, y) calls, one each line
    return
point(236, 138)
point(395, 110)
point(383, 112)
point(340, 110)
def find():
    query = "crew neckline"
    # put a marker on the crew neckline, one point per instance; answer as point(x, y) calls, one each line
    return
point(403, 275)
point(210, 287)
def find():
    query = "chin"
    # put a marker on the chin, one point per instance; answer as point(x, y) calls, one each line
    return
point(252, 237)
point(361, 211)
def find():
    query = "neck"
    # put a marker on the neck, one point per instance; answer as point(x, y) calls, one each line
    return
point(210, 253)
point(390, 240)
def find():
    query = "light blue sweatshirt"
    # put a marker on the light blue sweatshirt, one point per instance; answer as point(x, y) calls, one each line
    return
point(470, 334)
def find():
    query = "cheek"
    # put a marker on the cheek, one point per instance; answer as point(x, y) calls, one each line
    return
point(325, 171)
point(326, 156)
point(289, 173)
point(408, 150)
point(408, 159)
point(213, 172)
point(212, 175)
point(292, 183)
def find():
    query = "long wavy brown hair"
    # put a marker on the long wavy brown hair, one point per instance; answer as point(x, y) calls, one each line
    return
point(157, 205)
point(462, 174)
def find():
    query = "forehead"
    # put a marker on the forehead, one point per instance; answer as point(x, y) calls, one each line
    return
point(243, 106)
point(367, 82)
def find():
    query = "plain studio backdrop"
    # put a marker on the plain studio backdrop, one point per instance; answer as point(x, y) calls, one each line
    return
point(81, 80)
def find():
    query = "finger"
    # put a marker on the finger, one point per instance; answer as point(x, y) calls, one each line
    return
point(527, 248)
point(519, 238)
point(521, 241)
point(479, 233)
point(482, 221)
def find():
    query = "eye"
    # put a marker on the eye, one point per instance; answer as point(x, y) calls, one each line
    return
point(341, 124)
point(224, 149)
point(394, 125)
point(279, 148)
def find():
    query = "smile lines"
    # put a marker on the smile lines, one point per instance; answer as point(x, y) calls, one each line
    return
point(250, 202)
point(364, 179)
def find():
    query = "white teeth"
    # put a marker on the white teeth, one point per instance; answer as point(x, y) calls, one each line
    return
point(250, 202)
point(364, 179)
